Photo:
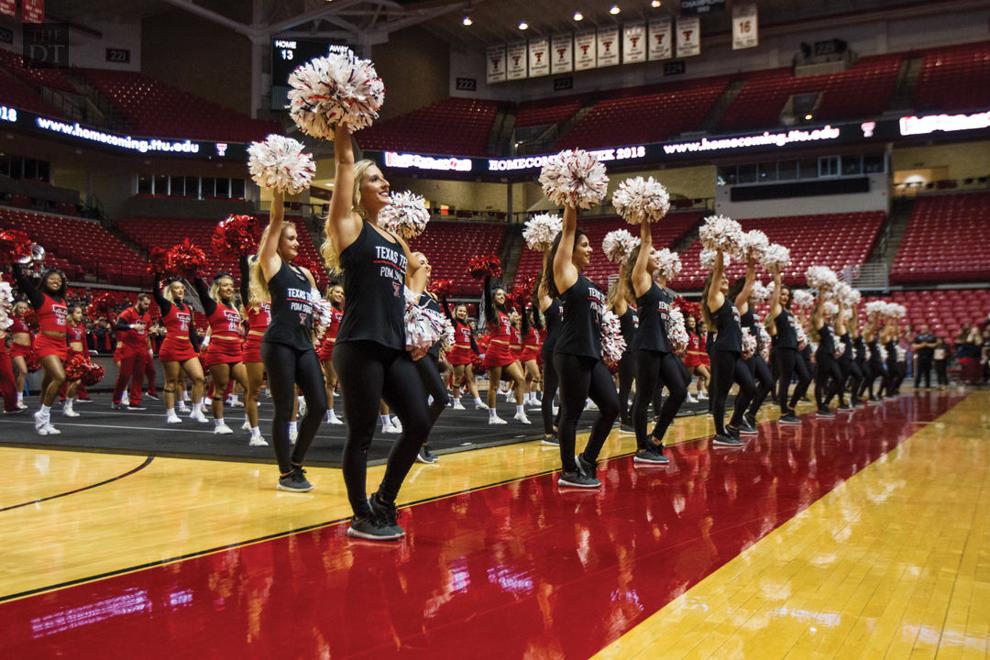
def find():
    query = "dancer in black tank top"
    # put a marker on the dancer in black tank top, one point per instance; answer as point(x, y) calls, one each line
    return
point(550, 308)
point(618, 304)
point(786, 357)
point(287, 347)
point(370, 354)
point(429, 366)
point(578, 355)
point(828, 377)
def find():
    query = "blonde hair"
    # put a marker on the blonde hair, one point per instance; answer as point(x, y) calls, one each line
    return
point(328, 249)
point(257, 286)
point(167, 290)
point(215, 287)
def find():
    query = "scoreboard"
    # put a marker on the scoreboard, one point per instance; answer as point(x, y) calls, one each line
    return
point(287, 54)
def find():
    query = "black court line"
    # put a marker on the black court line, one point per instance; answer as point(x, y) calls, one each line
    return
point(133, 470)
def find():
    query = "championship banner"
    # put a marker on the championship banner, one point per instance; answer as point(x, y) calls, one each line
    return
point(495, 57)
point(585, 53)
point(608, 47)
point(516, 54)
point(661, 40)
point(8, 7)
point(633, 43)
point(745, 27)
point(33, 10)
point(688, 36)
point(563, 54)
point(539, 58)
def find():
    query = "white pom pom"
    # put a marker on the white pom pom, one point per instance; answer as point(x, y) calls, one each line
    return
point(802, 336)
point(901, 353)
point(722, 233)
point(339, 89)
point(574, 178)
point(755, 244)
point(676, 330)
point(896, 310)
point(748, 344)
point(618, 244)
point(280, 164)
point(424, 327)
point(668, 264)
point(876, 307)
point(840, 349)
point(821, 277)
point(6, 293)
point(829, 308)
point(406, 214)
point(776, 255)
point(802, 298)
point(707, 259)
point(847, 295)
point(541, 230)
point(639, 199)
point(613, 343)
point(760, 293)
point(5, 321)
point(765, 341)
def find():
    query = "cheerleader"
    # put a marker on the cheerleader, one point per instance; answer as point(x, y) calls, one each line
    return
point(786, 351)
point(429, 366)
point(48, 300)
point(258, 316)
point(529, 356)
point(550, 309)
point(498, 357)
point(224, 356)
point(828, 376)
point(21, 343)
point(656, 364)
point(578, 354)
point(370, 356)
point(720, 306)
point(847, 366)
point(461, 356)
point(757, 366)
point(178, 352)
point(696, 360)
point(335, 297)
point(76, 336)
point(893, 375)
point(132, 350)
point(618, 304)
point(7, 378)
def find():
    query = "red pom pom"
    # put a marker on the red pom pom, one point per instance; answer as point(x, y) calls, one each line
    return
point(157, 257)
point(33, 363)
point(185, 258)
point(485, 265)
point(687, 307)
point(478, 364)
point(102, 305)
point(15, 246)
point(76, 367)
point(441, 288)
point(238, 234)
point(522, 292)
point(93, 375)
point(316, 268)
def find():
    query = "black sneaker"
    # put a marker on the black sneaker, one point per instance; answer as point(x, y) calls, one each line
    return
point(845, 407)
point(727, 441)
point(153, 397)
point(426, 456)
point(746, 428)
point(789, 418)
point(385, 512)
point(295, 482)
point(577, 479)
point(372, 528)
point(626, 428)
point(750, 419)
point(650, 456)
point(588, 468)
point(550, 441)
point(825, 413)
point(732, 431)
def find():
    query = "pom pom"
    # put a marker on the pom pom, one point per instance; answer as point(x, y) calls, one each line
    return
point(668, 264)
point(830, 309)
point(102, 305)
point(237, 234)
point(755, 244)
point(764, 340)
point(441, 288)
point(485, 265)
point(618, 245)
point(687, 307)
point(447, 339)
point(776, 255)
point(33, 362)
point(707, 259)
point(896, 311)
point(847, 295)
point(802, 298)
point(821, 277)
point(760, 293)
point(6, 294)
point(840, 350)
point(721, 233)
point(424, 327)
point(15, 246)
point(406, 214)
point(157, 260)
point(522, 292)
point(613, 343)
point(280, 164)
point(802, 336)
point(93, 375)
point(541, 230)
point(339, 89)
point(638, 199)
point(876, 307)
point(185, 258)
point(574, 178)
point(748, 344)
point(76, 366)
point(677, 330)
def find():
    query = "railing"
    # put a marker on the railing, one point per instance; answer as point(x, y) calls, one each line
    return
point(867, 277)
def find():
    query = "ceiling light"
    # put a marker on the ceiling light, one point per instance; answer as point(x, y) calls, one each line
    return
point(614, 10)
point(655, 3)
point(467, 21)
point(523, 25)
point(808, 117)
point(578, 16)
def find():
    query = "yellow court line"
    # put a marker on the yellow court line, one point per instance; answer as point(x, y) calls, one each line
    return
point(895, 562)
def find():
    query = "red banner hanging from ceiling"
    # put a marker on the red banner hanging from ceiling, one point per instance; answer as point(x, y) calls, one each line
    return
point(8, 7)
point(34, 11)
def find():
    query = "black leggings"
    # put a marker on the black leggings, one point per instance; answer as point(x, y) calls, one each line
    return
point(429, 372)
point(788, 362)
point(852, 374)
point(761, 372)
point(581, 378)
point(654, 370)
point(287, 368)
point(550, 383)
point(369, 372)
point(627, 375)
point(828, 380)
point(874, 371)
point(728, 368)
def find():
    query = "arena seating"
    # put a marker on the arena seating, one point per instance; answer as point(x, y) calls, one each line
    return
point(945, 310)
point(954, 78)
point(540, 113)
point(450, 245)
point(156, 109)
point(652, 115)
point(15, 92)
point(834, 240)
point(946, 240)
point(428, 130)
point(79, 247)
point(35, 77)
point(862, 91)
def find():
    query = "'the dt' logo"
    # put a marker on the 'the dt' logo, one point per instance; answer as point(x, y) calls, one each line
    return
point(46, 45)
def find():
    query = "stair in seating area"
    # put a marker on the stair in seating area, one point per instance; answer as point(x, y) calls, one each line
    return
point(724, 101)
point(907, 79)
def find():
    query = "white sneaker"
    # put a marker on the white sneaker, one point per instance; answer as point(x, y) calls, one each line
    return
point(234, 403)
point(172, 418)
point(302, 407)
point(257, 441)
point(333, 419)
point(590, 405)
point(702, 396)
point(521, 418)
point(293, 434)
point(48, 429)
point(390, 428)
point(182, 408)
point(397, 424)
point(481, 406)
point(222, 429)
point(691, 399)
point(197, 416)
point(458, 405)
point(510, 397)
point(495, 419)
point(246, 426)
point(40, 421)
point(69, 412)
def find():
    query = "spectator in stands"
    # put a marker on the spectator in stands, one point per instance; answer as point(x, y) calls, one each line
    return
point(924, 347)
point(968, 352)
point(940, 355)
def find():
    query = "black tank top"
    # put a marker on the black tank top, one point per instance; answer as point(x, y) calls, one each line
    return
point(580, 329)
point(552, 318)
point(374, 277)
point(654, 306)
point(891, 347)
point(847, 355)
point(875, 358)
point(292, 309)
point(786, 333)
point(860, 349)
point(728, 335)
point(628, 323)
point(748, 320)
point(826, 340)
point(427, 301)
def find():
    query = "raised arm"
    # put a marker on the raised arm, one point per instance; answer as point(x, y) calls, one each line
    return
point(775, 307)
point(742, 300)
point(565, 273)
point(543, 296)
point(818, 317)
point(840, 323)
point(163, 305)
point(486, 294)
point(245, 268)
point(343, 225)
point(412, 265)
point(268, 257)
point(28, 287)
point(203, 291)
point(641, 280)
point(715, 297)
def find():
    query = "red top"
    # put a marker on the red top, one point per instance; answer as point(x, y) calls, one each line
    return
point(177, 323)
point(335, 318)
point(500, 329)
point(462, 335)
point(516, 341)
point(532, 338)
point(225, 322)
point(77, 334)
point(132, 337)
point(18, 326)
point(52, 315)
point(260, 317)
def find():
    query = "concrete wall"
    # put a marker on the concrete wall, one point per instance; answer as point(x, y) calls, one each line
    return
point(414, 66)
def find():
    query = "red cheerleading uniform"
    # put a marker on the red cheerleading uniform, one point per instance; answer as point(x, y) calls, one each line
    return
point(258, 320)
point(76, 335)
point(499, 353)
point(225, 337)
point(52, 318)
point(325, 350)
point(177, 346)
point(531, 346)
point(461, 352)
point(696, 353)
point(20, 327)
